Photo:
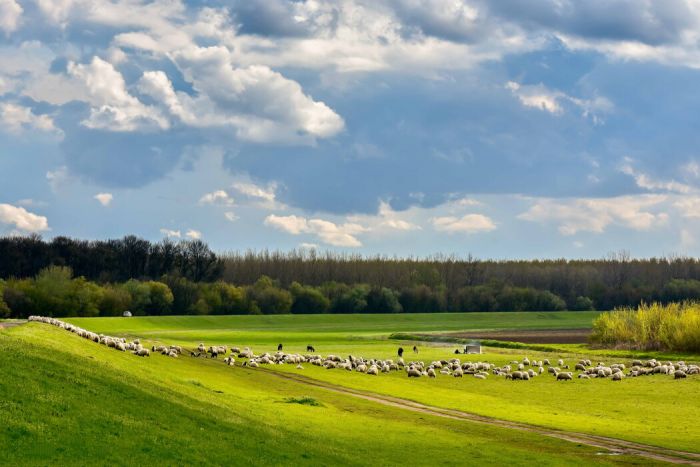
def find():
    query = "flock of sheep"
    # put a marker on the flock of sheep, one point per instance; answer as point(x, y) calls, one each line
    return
point(522, 370)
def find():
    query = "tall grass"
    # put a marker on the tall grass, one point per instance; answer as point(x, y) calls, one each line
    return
point(675, 326)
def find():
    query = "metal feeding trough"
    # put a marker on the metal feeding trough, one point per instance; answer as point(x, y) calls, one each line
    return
point(472, 348)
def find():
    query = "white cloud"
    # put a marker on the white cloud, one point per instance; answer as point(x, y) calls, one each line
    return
point(113, 108)
point(469, 223)
point(545, 99)
point(104, 198)
point(649, 183)
point(194, 234)
point(328, 232)
point(687, 239)
point(308, 246)
point(22, 219)
point(596, 214)
point(17, 118)
point(10, 13)
point(294, 225)
point(254, 191)
point(170, 233)
point(689, 206)
point(231, 216)
point(261, 104)
point(386, 220)
point(217, 197)
point(57, 178)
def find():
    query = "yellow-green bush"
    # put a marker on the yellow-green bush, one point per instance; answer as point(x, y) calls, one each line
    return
point(675, 326)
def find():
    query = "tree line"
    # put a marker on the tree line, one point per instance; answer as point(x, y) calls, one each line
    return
point(110, 276)
point(115, 260)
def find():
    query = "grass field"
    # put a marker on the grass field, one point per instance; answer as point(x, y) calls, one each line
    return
point(65, 398)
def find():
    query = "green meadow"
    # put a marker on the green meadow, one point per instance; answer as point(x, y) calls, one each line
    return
point(68, 400)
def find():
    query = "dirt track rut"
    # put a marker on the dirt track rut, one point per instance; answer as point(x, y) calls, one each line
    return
point(616, 446)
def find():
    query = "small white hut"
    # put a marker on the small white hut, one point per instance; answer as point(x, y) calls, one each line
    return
point(126, 314)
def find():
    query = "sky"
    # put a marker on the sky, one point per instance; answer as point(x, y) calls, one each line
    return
point(509, 129)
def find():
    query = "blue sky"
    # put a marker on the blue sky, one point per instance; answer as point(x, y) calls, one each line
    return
point(510, 129)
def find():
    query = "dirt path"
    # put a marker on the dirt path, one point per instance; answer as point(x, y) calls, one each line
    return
point(615, 446)
point(551, 336)
point(10, 324)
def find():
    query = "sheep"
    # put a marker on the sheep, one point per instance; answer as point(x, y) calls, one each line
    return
point(143, 353)
point(413, 373)
point(678, 374)
point(526, 361)
point(618, 376)
point(431, 372)
point(279, 347)
point(563, 376)
point(173, 354)
point(583, 376)
point(560, 362)
point(373, 370)
point(541, 370)
point(580, 367)
point(546, 362)
point(458, 373)
point(516, 375)
point(253, 364)
point(310, 348)
point(400, 352)
point(415, 349)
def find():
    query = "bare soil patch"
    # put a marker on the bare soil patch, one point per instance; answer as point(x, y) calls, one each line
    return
point(553, 336)
point(9, 324)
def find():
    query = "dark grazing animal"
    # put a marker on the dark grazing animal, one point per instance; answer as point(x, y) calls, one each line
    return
point(415, 349)
point(279, 347)
point(310, 348)
point(400, 351)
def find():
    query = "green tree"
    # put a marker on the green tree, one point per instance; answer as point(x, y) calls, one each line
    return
point(383, 300)
point(115, 301)
point(268, 298)
point(353, 300)
point(308, 299)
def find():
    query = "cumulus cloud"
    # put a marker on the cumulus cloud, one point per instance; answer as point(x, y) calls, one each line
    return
point(648, 182)
point(545, 99)
point(386, 220)
point(255, 191)
point(469, 223)
point(231, 216)
point(217, 197)
point(113, 107)
point(595, 215)
point(193, 234)
point(170, 233)
point(105, 199)
point(261, 104)
point(10, 13)
point(57, 178)
point(22, 219)
point(17, 118)
point(343, 235)
point(689, 206)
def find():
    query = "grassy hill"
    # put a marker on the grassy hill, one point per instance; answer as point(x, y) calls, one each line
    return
point(66, 400)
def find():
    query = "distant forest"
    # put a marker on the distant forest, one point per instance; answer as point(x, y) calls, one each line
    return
point(66, 276)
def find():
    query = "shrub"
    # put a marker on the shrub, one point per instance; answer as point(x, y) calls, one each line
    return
point(675, 327)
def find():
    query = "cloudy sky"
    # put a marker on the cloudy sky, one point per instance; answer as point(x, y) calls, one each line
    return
point(517, 128)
